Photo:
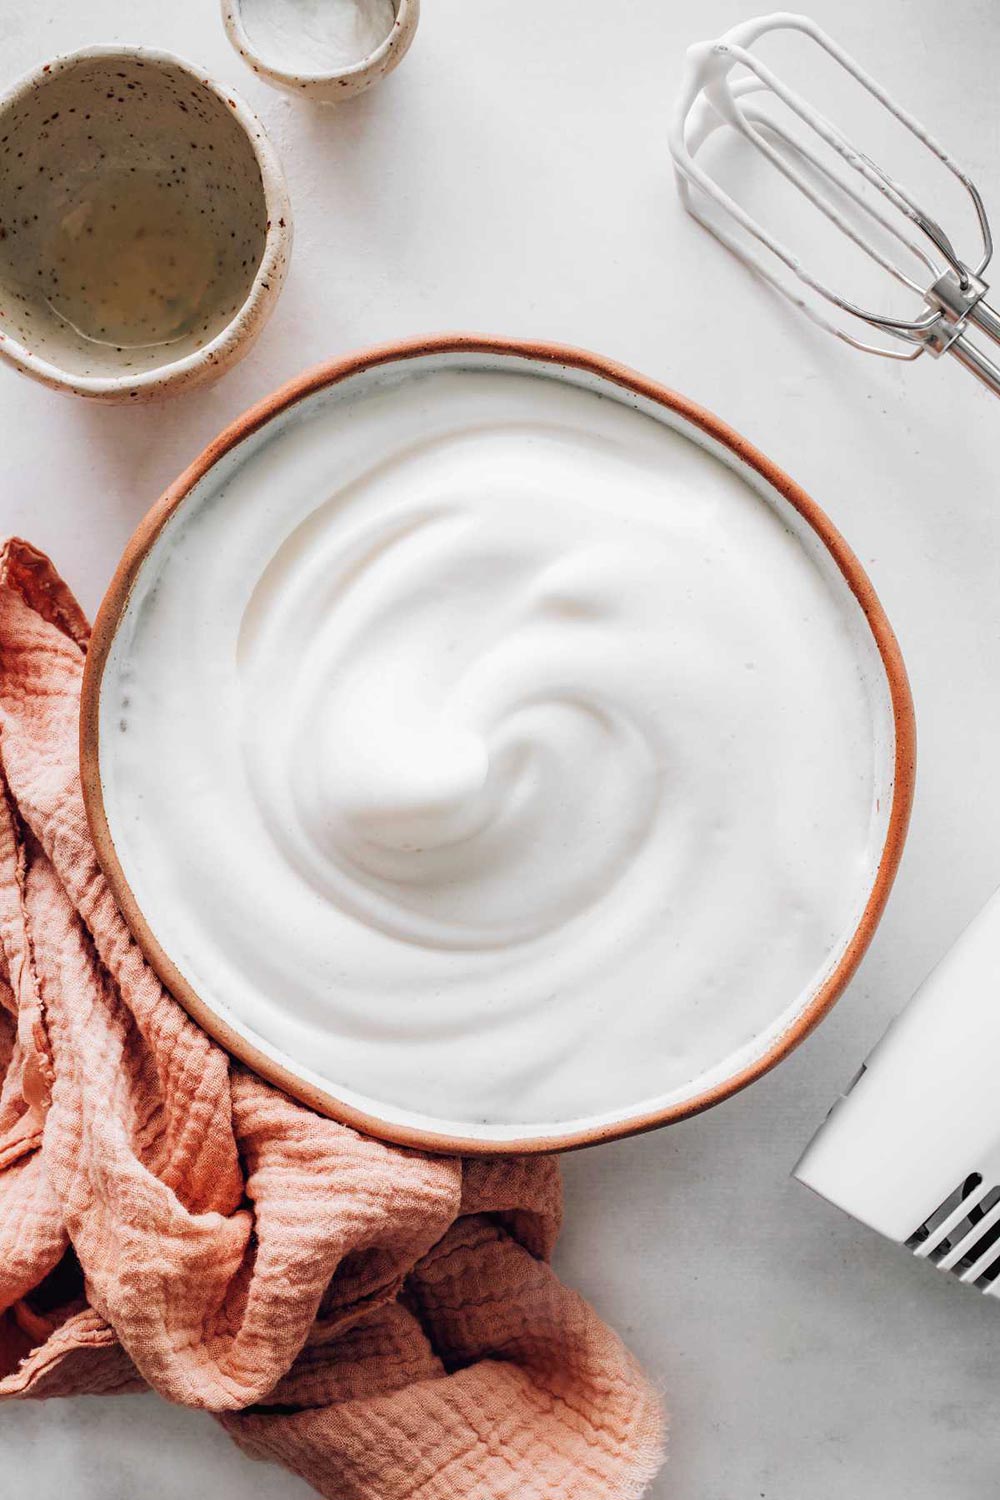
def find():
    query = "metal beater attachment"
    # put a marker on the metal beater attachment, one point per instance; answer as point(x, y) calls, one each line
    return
point(951, 293)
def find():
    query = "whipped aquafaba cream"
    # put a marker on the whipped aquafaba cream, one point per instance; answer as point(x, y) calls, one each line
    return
point(491, 755)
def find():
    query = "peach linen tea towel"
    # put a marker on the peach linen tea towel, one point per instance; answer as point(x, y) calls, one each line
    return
point(383, 1323)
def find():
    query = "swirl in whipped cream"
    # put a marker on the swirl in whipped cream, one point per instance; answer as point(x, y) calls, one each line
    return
point(491, 753)
point(459, 756)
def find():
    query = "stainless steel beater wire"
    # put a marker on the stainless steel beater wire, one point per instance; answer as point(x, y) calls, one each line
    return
point(721, 96)
point(711, 98)
point(759, 120)
point(809, 28)
point(692, 172)
point(759, 269)
point(692, 175)
point(740, 118)
point(726, 99)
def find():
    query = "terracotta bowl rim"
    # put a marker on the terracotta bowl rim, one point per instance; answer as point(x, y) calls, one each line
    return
point(268, 278)
point(331, 373)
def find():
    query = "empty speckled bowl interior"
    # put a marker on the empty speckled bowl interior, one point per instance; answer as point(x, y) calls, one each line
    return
point(132, 215)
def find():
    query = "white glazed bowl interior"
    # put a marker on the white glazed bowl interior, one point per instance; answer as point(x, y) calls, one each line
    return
point(107, 136)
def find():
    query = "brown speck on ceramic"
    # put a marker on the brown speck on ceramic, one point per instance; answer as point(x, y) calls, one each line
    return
point(133, 267)
point(326, 88)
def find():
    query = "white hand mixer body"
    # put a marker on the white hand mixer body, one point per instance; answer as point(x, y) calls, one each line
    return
point(913, 1149)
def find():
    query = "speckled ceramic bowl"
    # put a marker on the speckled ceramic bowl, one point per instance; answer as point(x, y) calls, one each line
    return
point(144, 225)
point(317, 48)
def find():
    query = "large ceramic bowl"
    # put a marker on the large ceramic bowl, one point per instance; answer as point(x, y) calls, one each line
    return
point(886, 758)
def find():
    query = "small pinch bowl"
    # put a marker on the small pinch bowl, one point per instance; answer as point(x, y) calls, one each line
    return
point(145, 226)
point(893, 745)
point(255, 28)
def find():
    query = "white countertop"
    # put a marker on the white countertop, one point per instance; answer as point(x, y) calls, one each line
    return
point(512, 177)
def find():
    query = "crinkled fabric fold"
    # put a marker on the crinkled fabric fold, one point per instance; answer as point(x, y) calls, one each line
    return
point(383, 1323)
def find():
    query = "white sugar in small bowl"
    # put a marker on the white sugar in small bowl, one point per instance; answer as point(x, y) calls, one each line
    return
point(328, 50)
point(144, 225)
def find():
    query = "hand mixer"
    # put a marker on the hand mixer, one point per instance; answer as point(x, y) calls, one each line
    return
point(913, 1148)
point(952, 294)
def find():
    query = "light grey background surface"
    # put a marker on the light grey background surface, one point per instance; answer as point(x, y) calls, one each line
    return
point(512, 177)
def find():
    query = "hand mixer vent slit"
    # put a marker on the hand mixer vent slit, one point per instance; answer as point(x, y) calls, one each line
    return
point(962, 1236)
